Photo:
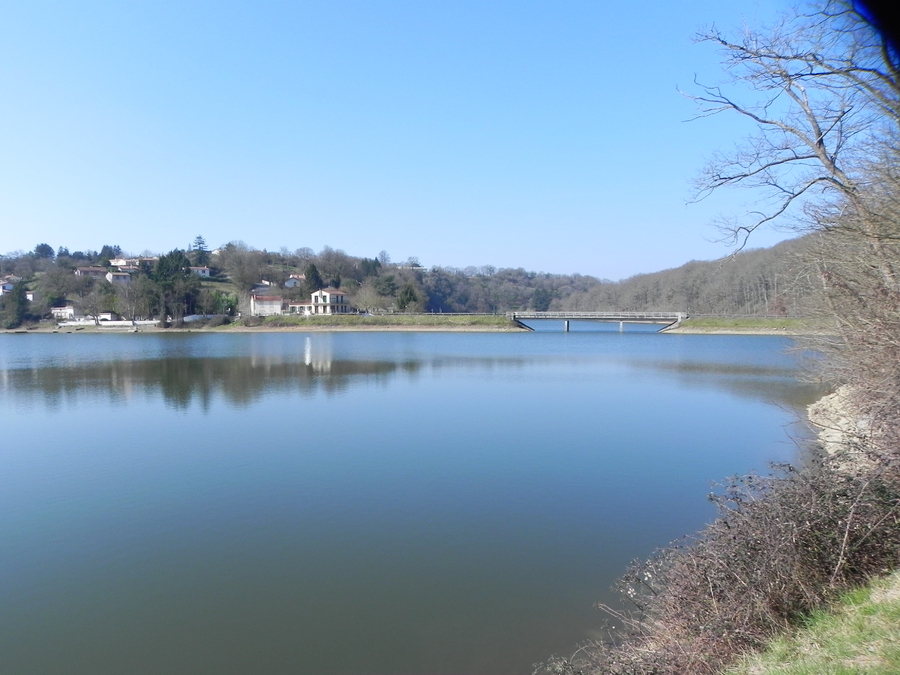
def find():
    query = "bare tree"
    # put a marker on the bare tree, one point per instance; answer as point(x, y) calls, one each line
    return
point(824, 99)
point(823, 93)
point(244, 267)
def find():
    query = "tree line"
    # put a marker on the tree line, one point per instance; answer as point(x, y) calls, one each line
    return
point(775, 281)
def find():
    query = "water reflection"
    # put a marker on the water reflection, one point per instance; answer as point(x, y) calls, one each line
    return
point(459, 511)
point(181, 381)
point(766, 383)
point(243, 380)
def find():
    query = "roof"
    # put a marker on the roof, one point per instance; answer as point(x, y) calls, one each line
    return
point(267, 298)
point(331, 290)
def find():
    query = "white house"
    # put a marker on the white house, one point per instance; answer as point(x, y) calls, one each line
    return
point(330, 301)
point(301, 308)
point(6, 287)
point(93, 272)
point(200, 271)
point(67, 313)
point(118, 277)
point(294, 280)
point(265, 305)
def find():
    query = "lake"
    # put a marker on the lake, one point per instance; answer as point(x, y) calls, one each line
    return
point(356, 503)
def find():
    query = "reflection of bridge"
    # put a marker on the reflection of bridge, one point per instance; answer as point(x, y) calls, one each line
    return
point(666, 318)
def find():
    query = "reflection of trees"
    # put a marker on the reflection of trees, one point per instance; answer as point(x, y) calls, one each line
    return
point(765, 383)
point(181, 380)
point(241, 380)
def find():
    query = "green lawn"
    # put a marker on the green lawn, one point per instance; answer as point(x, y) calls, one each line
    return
point(387, 321)
point(747, 323)
point(860, 636)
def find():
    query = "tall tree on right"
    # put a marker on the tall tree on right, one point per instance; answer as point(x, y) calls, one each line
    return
point(821, 91)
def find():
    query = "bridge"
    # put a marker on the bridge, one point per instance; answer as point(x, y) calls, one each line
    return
point(666, 318)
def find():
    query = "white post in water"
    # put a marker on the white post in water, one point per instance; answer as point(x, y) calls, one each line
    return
point(566, 325)
point(621, 326)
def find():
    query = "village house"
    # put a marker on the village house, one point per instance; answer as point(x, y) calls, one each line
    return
point(266, 305)
point(294, 280)
point(118, 277)
point(92, 272)
point(326, 301)
point(200, 271)
point(67, 313)
point(330, 301)
point(301, 308)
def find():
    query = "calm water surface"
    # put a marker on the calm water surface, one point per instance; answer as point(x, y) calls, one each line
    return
point(355, 502)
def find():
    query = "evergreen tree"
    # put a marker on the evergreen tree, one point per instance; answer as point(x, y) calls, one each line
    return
point(178, 288)
point(201, 254)
point(540, 300)
point(313, 279)
point(43, 251)
point(107, 253)
point(407, 297)
point(386, 286)
point(13, 306)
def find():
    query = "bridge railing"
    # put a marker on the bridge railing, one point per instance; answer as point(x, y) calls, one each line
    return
point(611, 316)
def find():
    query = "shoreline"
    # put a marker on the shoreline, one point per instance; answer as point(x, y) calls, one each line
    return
point(95, 330)
point(398, 328)
point(794, 328)
point(786, 332)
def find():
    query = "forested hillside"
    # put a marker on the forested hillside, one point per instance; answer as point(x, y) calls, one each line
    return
point(773, 281)
point(769, 281)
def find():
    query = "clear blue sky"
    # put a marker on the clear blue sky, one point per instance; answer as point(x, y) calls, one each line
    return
point(547, 135)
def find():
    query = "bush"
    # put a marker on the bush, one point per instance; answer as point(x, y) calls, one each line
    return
point(782, 546)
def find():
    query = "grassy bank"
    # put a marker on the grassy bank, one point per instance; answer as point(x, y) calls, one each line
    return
point(861, 634)
point(381, 322)
point(748, 325)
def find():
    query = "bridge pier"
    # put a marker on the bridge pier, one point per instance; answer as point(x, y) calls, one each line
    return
point(621, 326)
point(566, 325)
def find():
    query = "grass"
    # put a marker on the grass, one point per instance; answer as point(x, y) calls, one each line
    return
point(860, 635)
point(436, 321)
point(747, 323)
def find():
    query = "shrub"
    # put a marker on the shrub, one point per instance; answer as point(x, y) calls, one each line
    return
point(782, 546)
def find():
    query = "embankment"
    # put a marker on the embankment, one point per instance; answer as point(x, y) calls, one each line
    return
point(745, 326)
